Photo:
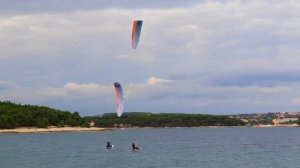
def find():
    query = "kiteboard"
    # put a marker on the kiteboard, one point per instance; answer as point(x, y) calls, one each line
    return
point(110, 147)
point(137, 149)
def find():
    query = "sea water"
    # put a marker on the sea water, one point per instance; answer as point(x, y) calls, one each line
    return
point(161, 147)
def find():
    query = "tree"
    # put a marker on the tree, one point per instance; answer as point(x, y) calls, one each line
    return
point(42, 123)
point(16, 115)
point(163, 120)
point(61, 123)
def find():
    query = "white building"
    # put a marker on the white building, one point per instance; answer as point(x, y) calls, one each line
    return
point(283, 120)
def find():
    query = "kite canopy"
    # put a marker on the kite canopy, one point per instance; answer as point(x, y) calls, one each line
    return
point(119, 98)
point(136, 32)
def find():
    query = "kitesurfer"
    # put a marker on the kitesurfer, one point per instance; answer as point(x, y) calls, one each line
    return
point(108, 146)
point(135, 147)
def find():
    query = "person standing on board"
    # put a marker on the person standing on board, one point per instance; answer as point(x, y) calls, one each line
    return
point(134, 148)
point(108, 146)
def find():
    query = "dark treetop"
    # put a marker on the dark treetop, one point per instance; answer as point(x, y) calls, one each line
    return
point(16, 115)
point(139, 119)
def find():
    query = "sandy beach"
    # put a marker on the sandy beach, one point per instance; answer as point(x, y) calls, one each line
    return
point(51, 129)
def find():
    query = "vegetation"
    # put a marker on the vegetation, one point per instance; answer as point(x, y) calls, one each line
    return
point(16, 115)
point(138, 119)
point(260, 121)
point(290, 122)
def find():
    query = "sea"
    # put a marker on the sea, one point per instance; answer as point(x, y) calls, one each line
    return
point(242, 147)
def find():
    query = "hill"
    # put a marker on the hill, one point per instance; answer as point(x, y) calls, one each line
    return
point(140, 119)
point(16, 115)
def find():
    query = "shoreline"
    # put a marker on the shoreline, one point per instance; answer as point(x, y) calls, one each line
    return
point(23, 130)
point(254, 126)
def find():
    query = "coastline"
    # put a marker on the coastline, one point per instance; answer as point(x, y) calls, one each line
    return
point(22, 130)
point(253, 126)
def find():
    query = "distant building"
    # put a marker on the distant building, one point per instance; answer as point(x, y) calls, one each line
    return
point(245, 120)
point(92, 124)
point(283, 120)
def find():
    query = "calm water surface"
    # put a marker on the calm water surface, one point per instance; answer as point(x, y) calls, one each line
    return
point(161, 147)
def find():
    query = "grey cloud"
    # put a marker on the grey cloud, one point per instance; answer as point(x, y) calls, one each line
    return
point(44, 6)
point(256, 78)
point(7, 86)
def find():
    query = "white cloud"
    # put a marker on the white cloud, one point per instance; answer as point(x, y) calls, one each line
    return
point(79, 91)
point(6, 86)
point(296, 101)
point(156, 81)
point(91, 90)
point(152, 88)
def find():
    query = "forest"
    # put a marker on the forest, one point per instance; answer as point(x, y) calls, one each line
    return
point(14, 115)
point(141, 119)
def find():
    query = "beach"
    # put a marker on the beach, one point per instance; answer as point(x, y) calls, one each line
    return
point(51, 129)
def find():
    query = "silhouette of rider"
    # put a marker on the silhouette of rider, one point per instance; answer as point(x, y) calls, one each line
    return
point(108, 145)
point(134, 147)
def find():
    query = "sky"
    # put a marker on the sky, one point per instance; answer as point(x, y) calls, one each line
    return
point(197, 56)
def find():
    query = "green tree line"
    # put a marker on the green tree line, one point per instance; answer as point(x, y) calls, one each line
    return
point(16, 115)
point(139, 119)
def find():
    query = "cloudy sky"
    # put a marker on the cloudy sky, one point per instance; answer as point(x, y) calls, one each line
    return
point(204, 56)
